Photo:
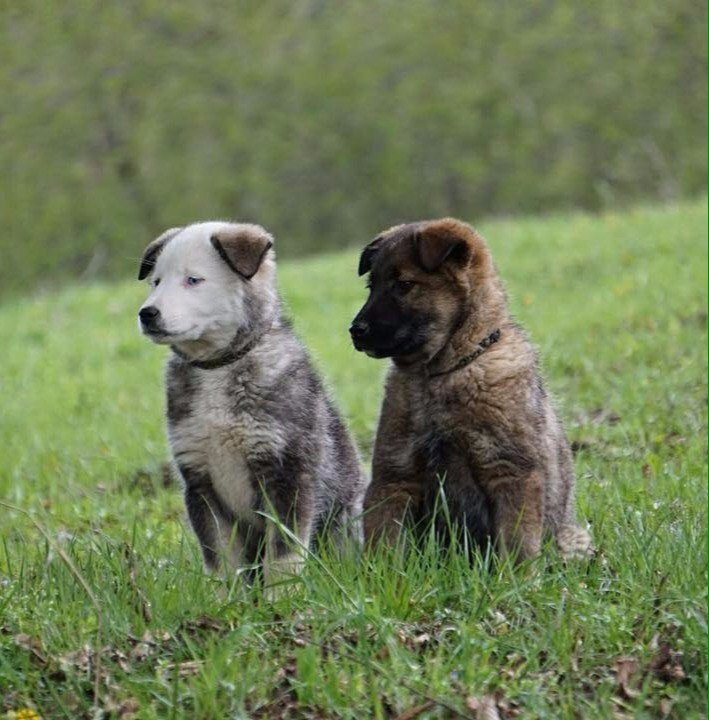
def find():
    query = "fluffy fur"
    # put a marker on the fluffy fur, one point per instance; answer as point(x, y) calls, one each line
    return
point(485, 427)
point(251, 429)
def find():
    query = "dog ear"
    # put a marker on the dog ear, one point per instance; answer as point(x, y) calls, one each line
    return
point(243, 249)
point(153, 250)
point(395, 233)
point(367, 256)
point(436, 245)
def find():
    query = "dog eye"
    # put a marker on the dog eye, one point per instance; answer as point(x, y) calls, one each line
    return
point(155, 282)
point(403, 286)
point(191, 280)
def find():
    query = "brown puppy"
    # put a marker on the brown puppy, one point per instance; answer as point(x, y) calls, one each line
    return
point(464, 401)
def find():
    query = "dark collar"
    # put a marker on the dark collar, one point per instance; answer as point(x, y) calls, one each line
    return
point(229, 356)
point(483, 345)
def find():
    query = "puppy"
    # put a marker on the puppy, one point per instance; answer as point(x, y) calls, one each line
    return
point(464, 402)
point(251, 429)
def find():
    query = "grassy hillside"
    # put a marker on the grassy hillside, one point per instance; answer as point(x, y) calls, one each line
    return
point(618, 307)
point(329, 120)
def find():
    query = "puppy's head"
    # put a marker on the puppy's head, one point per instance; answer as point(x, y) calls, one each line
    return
point(209, 281)
point(423, 278)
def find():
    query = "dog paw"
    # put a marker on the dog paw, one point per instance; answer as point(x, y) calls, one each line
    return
point(281, 576)
point(574, 542)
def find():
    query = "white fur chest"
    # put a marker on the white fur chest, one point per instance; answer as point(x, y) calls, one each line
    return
point(216, 437)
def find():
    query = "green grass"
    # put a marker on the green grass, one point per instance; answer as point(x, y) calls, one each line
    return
point(617, 305)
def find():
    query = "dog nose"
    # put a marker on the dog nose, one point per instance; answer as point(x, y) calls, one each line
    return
point(148, 314)
point(359, 329)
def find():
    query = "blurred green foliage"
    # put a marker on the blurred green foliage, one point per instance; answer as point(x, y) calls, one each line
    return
point(329, 121)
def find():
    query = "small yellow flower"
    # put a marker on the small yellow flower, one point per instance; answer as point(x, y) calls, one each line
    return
point(23, 714)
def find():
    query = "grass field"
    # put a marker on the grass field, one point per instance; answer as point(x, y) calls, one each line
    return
point(103, 602)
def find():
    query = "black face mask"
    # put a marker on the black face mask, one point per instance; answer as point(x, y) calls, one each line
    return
point(386, 327)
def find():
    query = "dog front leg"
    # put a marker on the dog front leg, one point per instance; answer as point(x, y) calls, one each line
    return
point(289, 508)
point(216, 533)
point(390, 507)
point(393, 499)
point(519, 515)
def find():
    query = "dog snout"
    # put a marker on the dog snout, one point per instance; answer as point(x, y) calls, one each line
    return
point(359, 329)
point(148, 315)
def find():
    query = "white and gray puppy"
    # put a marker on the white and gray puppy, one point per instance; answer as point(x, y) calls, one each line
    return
point(251, 429)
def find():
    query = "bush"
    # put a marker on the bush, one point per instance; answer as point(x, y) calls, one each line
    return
point(329, 121)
